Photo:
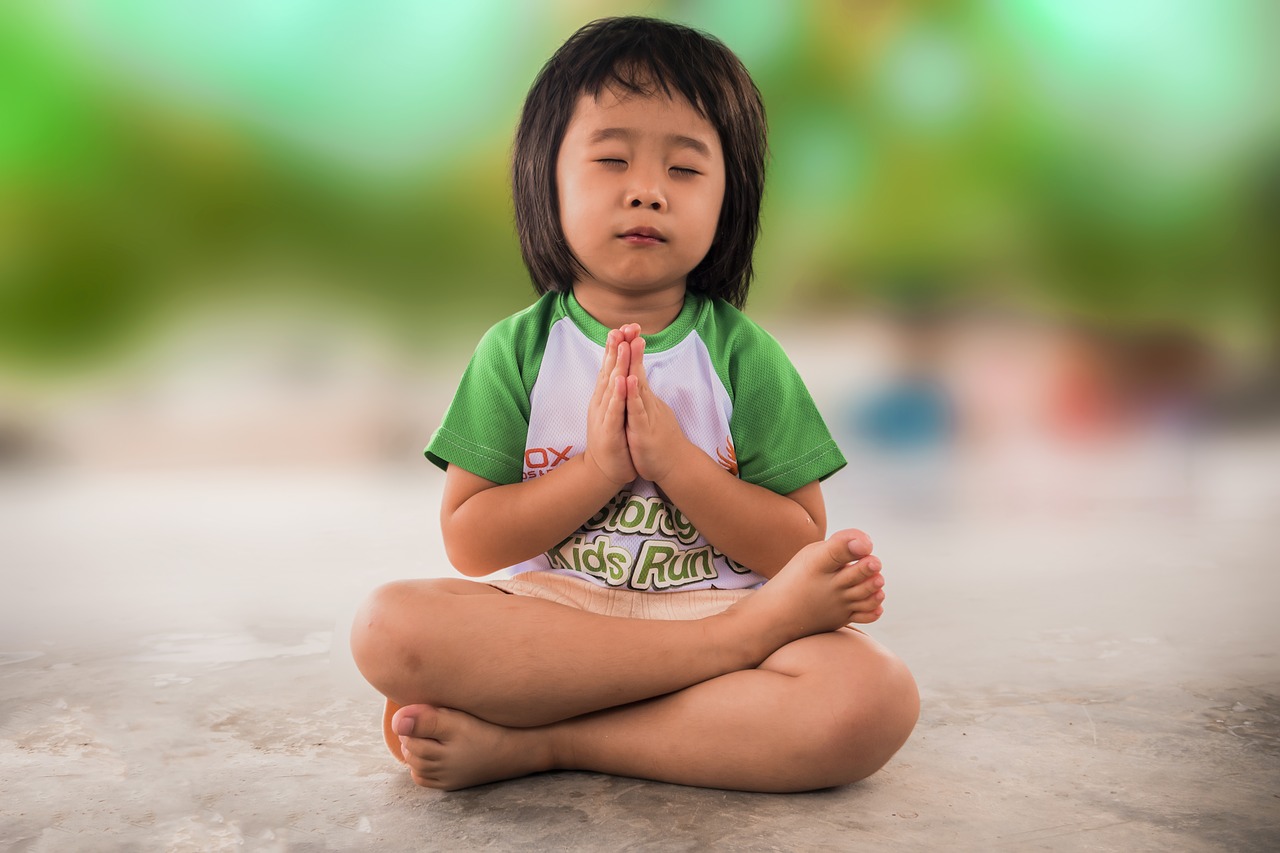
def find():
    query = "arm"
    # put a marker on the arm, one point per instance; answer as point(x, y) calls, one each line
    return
point(487, 526)
point(758, 528)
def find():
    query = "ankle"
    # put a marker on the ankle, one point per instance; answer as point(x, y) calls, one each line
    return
point(740, 641)
point(556, 747)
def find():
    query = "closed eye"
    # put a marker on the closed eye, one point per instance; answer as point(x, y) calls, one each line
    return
point(682, 171)
point(611, 162)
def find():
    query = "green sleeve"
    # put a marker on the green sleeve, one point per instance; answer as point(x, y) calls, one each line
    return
point(486, 424)
point(781, 441)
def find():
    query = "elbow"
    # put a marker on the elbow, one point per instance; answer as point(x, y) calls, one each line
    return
point(466, 559)
point(460, 547)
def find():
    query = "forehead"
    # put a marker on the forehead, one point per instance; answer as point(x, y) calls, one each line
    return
point(610, 114)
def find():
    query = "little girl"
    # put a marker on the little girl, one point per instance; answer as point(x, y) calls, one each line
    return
point(644, 458)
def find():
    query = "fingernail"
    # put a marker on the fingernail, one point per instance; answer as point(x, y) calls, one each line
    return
point(404, 726)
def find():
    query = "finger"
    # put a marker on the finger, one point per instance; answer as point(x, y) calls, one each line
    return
point(635, 402)
point(616, 412)
point(630, 331)
point(607, 366)
point(610, 349)
point(637, 361)
point(623, 365)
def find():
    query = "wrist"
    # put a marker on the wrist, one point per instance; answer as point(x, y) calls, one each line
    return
point(601, 475)
point(681, 456)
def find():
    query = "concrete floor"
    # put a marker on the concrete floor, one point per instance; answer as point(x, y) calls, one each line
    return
point(1098, 669)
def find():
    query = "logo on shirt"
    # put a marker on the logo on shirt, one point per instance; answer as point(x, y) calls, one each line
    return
point(728, 458)
point(668, 559)
point(540, 460)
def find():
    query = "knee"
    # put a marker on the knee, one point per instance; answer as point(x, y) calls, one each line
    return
point(871, 721)
point(380, 633)
point(899, 706)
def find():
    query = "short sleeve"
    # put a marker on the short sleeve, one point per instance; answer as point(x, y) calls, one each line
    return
point(781, 440)
point(486, 424)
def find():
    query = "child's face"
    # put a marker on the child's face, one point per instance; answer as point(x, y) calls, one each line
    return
point(640, 182)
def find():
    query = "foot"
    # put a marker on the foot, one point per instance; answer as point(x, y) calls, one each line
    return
point(448, 749)
point(826, 585)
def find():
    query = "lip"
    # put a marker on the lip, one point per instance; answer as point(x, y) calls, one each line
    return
point(643, 235)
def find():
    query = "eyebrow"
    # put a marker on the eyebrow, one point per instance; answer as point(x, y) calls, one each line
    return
point(677, 140)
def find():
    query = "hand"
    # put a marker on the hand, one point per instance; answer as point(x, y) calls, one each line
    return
point(606, 413)
point(653, 433)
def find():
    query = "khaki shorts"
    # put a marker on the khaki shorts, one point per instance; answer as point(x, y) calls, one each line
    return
point(625, 603)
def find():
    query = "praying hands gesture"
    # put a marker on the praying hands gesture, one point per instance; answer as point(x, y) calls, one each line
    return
point(630, 431)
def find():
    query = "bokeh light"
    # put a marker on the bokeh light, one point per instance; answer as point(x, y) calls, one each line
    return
point(259, 213)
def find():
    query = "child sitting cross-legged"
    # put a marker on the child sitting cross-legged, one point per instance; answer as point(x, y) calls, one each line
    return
point(647, 463)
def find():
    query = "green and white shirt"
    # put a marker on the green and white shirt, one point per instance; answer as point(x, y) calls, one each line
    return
point(521, 410)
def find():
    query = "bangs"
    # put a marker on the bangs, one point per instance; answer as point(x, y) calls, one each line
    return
point(645, 75)
point(642, 57)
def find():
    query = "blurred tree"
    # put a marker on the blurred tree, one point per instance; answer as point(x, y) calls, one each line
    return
point(1109, 162)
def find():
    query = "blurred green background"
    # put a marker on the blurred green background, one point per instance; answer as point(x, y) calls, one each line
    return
point(1114, 164)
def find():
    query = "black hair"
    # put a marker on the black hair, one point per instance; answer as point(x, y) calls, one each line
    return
point(642, 56)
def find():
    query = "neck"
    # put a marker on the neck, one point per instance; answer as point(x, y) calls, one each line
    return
point(652, 311)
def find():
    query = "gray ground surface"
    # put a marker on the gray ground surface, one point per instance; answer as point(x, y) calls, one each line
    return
point(1098, 673)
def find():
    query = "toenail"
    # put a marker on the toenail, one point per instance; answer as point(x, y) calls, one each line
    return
point(404, 726)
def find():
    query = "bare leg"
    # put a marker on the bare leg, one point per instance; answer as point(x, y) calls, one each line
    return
point(525, 662)
point(824, 710)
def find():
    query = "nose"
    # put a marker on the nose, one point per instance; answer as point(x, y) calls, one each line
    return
point(646, 191)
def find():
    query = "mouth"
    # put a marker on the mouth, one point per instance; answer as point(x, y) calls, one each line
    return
point(643, 236)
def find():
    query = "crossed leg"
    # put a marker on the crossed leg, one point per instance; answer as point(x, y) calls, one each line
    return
point(771, 695)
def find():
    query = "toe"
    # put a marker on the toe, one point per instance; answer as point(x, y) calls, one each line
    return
point(868, 617)
point(848, 546)
point(864, 575)
point(389, 735)
point(418, 721)
point(871, 602)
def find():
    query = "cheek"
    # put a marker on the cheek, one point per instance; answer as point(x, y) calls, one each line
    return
point(712, 214)
point(570, 220)
point(564, 198)
point(719, 201)
point(571, 195)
